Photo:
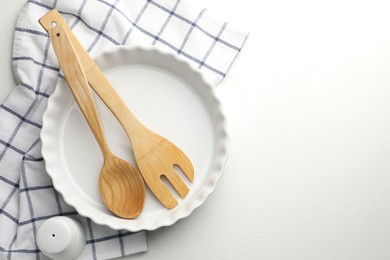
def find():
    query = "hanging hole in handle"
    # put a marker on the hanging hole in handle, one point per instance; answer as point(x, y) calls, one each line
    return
point(53, 24)
point(58, 34)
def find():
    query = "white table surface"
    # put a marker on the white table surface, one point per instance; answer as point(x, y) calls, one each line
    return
point(308, 104)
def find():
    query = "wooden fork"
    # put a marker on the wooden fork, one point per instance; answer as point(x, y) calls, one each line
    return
point(155, 155)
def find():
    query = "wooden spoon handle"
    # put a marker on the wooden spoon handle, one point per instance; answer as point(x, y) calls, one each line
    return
point(77, 82)
point(96, 78)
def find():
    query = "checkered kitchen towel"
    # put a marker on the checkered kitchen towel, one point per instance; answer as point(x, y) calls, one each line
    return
point(27, 197)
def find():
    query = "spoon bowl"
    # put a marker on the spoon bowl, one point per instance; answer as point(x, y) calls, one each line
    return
point(116, 178)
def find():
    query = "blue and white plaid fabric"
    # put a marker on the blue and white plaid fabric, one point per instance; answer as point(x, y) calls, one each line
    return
point(27, 197)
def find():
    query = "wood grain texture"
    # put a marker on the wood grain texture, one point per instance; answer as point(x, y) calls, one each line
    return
point(155, 155)
point(121, 185)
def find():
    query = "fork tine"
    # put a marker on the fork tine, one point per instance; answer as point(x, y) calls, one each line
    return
point(186, 166)
point(163, 194)
point(177, 183)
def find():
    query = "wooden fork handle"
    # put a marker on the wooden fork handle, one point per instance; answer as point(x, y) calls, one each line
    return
point(98, 82)
point(54, 18)
point(77, 82)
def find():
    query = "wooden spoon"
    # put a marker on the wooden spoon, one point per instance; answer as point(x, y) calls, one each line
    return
point(156, 156)
point(121, 185)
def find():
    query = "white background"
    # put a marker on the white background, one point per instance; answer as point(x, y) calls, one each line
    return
point(308, 104)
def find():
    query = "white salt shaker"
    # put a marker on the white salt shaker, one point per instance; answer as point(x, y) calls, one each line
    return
point(61, 238)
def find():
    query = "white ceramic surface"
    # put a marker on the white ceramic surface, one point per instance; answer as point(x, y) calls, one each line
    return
point(61, 238)
point(170, 98)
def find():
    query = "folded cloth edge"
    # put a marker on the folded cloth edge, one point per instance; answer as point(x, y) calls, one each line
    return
point(19, 38)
